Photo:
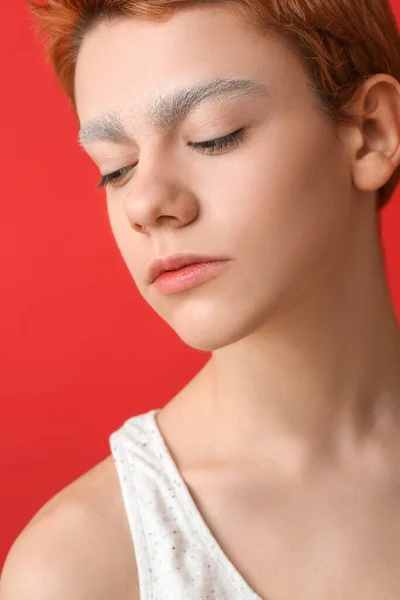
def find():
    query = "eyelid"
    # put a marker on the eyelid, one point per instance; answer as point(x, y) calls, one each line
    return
point(108, 177)
point(237, 134)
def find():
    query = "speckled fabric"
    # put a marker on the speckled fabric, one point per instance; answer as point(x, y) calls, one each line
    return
point(177, 556)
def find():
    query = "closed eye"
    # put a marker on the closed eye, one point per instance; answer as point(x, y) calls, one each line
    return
point(209, 147)
point(115, 176)
point(219, 144)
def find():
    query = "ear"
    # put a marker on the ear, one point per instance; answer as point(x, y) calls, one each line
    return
point(374, 137)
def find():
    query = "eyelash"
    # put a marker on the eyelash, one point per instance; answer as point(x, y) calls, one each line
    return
point(208, 147)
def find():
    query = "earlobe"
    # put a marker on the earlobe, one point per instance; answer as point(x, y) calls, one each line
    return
point(376, 152)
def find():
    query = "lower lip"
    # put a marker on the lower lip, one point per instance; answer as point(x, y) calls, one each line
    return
point(170, 282)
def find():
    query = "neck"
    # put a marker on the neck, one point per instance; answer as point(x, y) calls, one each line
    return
point(322, 379)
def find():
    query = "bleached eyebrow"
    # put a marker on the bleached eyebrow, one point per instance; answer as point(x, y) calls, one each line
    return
point(168, 110)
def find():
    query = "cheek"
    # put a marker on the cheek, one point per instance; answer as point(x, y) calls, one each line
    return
point(290, 208)
point(117, 224)
point(125, 238)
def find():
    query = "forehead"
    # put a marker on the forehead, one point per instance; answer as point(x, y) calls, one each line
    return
point(133, 63)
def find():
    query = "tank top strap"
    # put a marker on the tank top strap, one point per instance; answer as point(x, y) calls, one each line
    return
point(177, 557)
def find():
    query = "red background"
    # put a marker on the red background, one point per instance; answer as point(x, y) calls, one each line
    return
point(80, 349)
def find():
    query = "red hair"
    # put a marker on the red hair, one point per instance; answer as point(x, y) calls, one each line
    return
point(342, 42)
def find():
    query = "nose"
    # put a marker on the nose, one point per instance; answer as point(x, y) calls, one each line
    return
point(159, 198)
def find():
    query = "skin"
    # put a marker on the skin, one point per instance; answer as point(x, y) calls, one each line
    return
point(303, 383)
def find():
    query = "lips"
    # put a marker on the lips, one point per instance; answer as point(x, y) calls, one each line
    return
point(175, 262)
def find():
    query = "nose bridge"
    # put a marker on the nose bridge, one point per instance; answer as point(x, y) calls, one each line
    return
point(158, 189)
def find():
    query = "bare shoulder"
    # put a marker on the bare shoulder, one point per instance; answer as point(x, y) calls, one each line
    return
point(77, 546)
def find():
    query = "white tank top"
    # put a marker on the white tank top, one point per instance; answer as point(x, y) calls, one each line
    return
point(177, 556)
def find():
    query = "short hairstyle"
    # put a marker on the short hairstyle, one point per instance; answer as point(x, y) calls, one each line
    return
point(341, 42)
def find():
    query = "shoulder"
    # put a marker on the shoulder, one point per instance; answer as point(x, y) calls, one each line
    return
point(77, 546)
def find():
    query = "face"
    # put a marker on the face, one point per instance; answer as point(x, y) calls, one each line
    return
point(276, 200)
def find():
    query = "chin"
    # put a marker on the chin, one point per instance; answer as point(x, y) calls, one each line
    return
point(210, 330)
point(207, 340)
point(217, 318)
